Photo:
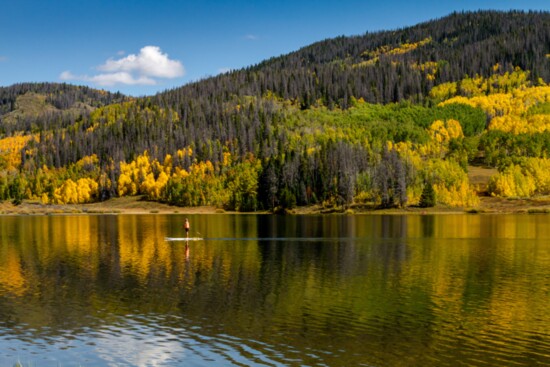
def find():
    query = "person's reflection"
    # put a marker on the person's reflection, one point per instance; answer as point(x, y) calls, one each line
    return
point(187, 250)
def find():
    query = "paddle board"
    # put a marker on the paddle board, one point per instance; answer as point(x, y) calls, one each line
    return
point(183, 239)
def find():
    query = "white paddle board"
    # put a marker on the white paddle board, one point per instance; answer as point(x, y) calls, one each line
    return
point(183, 239)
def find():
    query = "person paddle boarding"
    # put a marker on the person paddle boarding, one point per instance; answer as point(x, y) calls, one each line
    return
point(186, 226)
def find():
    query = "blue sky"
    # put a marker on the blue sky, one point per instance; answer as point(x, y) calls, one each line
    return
point(141, 47)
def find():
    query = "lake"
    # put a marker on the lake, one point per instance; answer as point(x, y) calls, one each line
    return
point(260, 290)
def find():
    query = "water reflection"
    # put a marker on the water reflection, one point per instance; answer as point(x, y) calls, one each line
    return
point(376, 290)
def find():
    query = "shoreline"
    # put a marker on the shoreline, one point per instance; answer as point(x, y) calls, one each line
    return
point(136, 205)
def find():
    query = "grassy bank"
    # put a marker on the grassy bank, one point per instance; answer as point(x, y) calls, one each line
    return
point(123, 205)
point(136, 205)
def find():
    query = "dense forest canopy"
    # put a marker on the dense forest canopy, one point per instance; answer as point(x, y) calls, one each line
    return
point(387, 118)
point(391, 66)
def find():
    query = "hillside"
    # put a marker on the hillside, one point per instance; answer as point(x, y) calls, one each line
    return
point(60, 96)
point(392, 118)
point(390, 66)
point(25, 105)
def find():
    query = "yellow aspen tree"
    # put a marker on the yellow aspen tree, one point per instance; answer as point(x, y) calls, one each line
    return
point(126, 186)
point(88, 162)
point(450, 183)
point(454, 129)
point(162, 180)
point(539, 170)
point(66, 193)
point(167, 164)
point(10, 149)
point(440, 134)
point(513, 182)
point(443, 91)
point(87, 190)
point(44, 199)
point(147, 187)
point(180, 173)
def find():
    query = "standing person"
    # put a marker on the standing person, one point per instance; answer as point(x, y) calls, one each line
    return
point(186, 226)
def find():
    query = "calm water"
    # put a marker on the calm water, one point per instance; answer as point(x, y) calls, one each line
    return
point(449, 290)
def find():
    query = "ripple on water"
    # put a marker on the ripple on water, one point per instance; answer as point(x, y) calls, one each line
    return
point(435, 303)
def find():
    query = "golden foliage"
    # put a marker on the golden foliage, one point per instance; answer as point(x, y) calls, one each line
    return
point(82, 191)
point(441, 133)
point(512, 183)
point(480, 86)
point(374, 56)
point(443, 91)
point(521, 124)
point(45, 199)
point(111, 114)
point(506, 99)
point(185, 152)
point(133, 174)
point(515, 103)
point(201, 185)
point(88, 162)
point(150, 177)
point(153, 187)
point(450, 183)
point(126, 186)
point(531, 177)
point(429, 68)
point(399, 50)
point(10, 151)
point(539, 169)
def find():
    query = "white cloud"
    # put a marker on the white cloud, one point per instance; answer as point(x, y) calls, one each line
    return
point(67, 75)
point(224, 70)
point(121, 77)
point(149, 62)
point(141, 69)
point(3, 58)
point(251, 37)
point(109, 79)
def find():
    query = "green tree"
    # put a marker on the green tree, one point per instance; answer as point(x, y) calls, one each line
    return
point(427, 199)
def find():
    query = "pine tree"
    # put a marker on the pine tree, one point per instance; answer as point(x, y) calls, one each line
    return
point(427, 199)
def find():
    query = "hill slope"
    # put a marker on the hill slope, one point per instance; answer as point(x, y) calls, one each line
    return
point(27, 104)
point(380, 119)
point(394, 65)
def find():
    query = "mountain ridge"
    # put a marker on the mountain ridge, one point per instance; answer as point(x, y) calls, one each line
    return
point(24, 106)
point(324, 70)
point(476, 29)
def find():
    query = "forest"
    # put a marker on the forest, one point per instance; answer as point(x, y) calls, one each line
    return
point(386, 119)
